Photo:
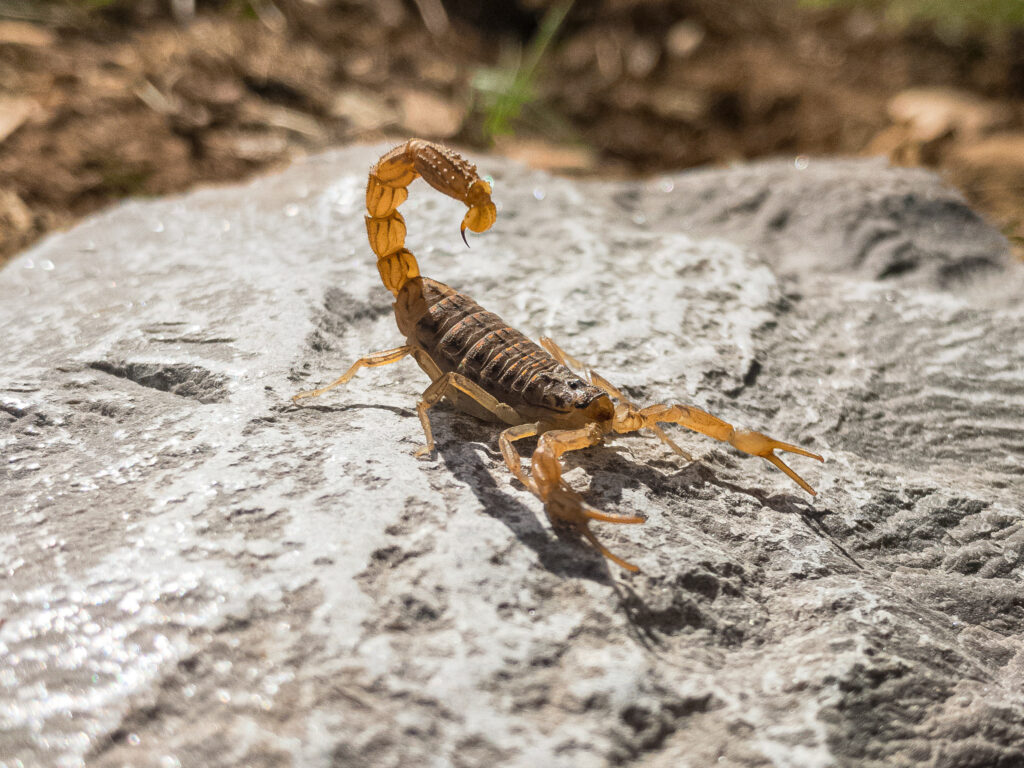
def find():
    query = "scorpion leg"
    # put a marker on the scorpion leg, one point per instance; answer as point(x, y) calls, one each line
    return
point(602, 383)
point(515, 464)
point(628, 419)
point(563, 505)
point(370, 361)
point(443, 386)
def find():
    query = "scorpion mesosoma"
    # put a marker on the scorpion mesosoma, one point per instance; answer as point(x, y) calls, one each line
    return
point(486, 368)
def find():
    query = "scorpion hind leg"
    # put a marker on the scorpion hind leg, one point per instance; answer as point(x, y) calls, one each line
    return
point(370, 361)
point(563, 505)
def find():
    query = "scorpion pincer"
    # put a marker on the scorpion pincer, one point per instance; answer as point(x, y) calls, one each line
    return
point(488, 369)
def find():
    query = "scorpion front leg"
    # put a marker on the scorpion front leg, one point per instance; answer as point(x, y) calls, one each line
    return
point(511, 455)
point(448, 384)
point(564, 506)
point(602, 383)
point(629, 419)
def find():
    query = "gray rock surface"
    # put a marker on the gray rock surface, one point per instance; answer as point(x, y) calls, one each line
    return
point(198, 573)
point(879, 223)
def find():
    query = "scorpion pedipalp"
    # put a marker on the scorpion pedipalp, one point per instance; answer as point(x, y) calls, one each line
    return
point(565, 507)
point(748, 441)
point(602, 383)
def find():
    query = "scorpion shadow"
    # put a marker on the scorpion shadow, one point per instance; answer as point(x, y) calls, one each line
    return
point(461, 446)
point(473, 459)
point(564, 554)
point(683, 474)
point(476, 463)
point(612, 470)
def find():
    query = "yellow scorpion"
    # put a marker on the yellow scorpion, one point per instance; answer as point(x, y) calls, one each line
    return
point(488, 369)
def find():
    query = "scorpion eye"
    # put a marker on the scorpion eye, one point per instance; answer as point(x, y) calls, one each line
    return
point(575, 384)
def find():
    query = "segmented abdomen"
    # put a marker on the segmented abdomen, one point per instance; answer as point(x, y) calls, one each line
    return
point(461, 336)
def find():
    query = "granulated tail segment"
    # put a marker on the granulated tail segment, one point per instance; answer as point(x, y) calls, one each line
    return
point(386, 189)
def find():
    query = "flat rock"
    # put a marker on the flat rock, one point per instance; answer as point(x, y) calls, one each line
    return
point(198, 572)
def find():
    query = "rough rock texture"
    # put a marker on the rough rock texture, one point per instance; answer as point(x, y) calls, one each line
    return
point(197, 572)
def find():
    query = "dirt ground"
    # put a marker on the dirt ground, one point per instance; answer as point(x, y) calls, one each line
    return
point(138, 100)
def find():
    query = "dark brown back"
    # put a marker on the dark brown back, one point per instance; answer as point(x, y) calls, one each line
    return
point(461, 336)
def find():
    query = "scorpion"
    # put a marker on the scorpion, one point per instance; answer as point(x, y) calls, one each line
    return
point(486, 368)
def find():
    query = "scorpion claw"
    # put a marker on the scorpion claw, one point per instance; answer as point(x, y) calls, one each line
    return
point(606, 552)
point(793, 475)
point(757, 444)
point(603, 517)
point(565, 509)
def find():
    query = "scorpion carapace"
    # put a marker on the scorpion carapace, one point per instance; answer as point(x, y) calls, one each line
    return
point(485, 367)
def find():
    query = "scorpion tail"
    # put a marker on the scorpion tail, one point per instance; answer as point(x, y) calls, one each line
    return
point(386, 189)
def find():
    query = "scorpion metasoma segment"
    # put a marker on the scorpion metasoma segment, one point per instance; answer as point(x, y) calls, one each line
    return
point(488, 369)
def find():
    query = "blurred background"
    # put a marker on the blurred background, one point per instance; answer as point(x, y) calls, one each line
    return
point(102, 99)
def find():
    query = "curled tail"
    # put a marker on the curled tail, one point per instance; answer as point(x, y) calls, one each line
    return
point(444, 170)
